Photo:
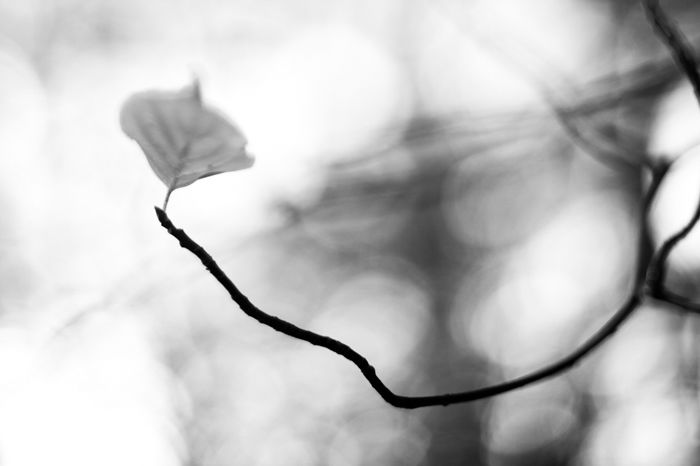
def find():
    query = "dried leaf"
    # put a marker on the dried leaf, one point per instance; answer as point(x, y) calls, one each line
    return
point(183, 140)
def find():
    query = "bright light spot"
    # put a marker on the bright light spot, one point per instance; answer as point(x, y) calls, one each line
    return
point(16, 358)
point(327, 383)
point(479, 56)
point(676, 202)
point(324, 93)
point(23, 127)
point(457, 73)
point(587, 242)
point(531, 419)
point(524, 32)
point(677, 123)
point(258, 390)
point(373, 310)
point(549, 283)
point(526, 321)
point(282, 446)
point(99, 397)
point(645, 432)
point(378, 437)
point(638, 360)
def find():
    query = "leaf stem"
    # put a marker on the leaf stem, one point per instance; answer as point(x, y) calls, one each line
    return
point(167, 198)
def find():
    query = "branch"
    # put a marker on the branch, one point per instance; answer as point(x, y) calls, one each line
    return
point(606, 154)
point(674, 299)
point(685, 58)
point(593, 148)
point(676, 42)
point(369, 372)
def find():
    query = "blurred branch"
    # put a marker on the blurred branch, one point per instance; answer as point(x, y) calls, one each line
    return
point(676, 42)
point(685, 58)
point(596, 149)
point(644, 81)
point(669, 297)
point(558, 97)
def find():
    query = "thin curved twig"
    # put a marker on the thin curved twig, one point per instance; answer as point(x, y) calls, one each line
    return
point(411, 402)
point(684, 56)
point(568, 119)
point(676, 42)
point(679, 301)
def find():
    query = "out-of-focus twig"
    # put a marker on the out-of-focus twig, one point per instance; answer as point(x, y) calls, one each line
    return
point(685, 58)
point(676, 42)
point(681, 302)
point(558, 97)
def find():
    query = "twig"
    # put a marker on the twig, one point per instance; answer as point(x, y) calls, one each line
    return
point(685, 59)
point(369, 372)
point(681, 302)
point(676, 42)
point(569, 119)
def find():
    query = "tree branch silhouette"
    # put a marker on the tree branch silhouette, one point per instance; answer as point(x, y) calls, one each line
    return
point(632, 302)
point(648, 279)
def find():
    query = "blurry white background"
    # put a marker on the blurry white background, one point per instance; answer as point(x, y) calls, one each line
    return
point(413, 195)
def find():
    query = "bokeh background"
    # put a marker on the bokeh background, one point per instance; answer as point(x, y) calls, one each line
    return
point(415, 195)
